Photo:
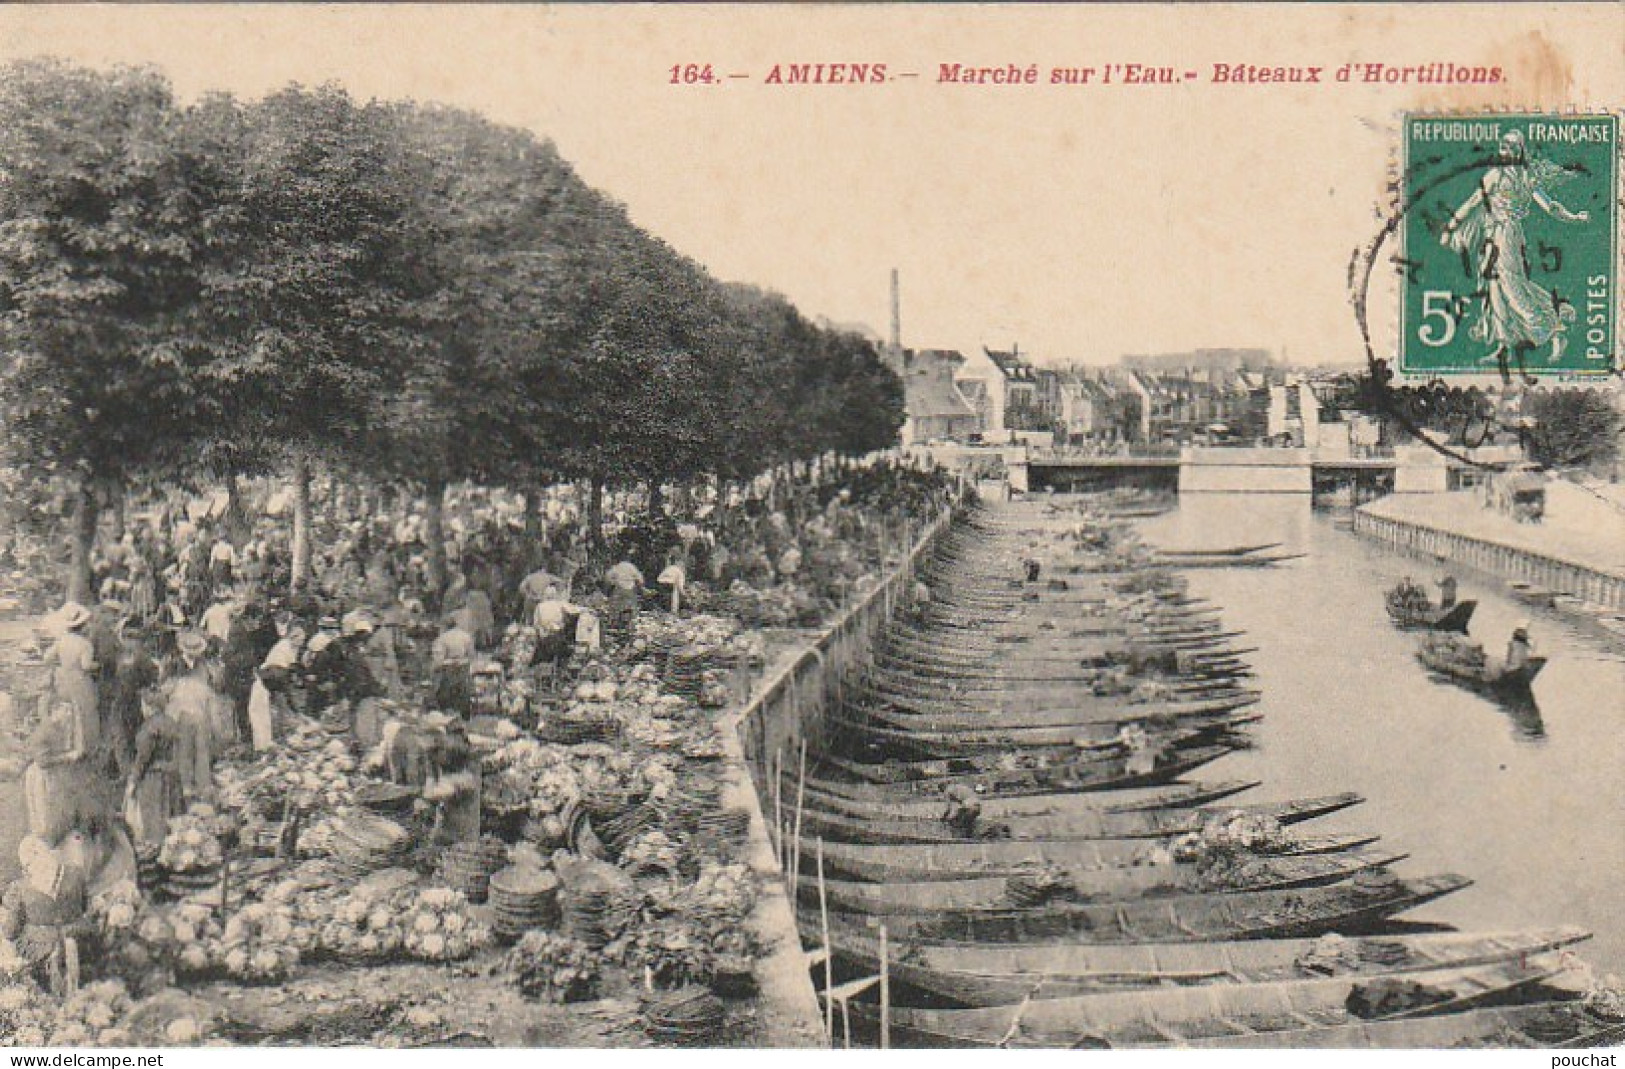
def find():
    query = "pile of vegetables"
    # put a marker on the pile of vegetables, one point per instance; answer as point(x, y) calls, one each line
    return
point(602, 690)
point(185, 935)
point(103, 1014)
point(724, 893)
point(314, 769)
point(1455, 650)
point(192, 845)
point(719, 637)
point(1227, 842)
point(670, 951)
point(92, 1015)
point(1250, 831)
point(258, 944)
point(542, 776)
point(518, 696)
point(25, 1016)
point(364, 927)
point(651, 851)
point(439, 927)
point(518, 649)
point(553, 967)
point(1606, 997)
point(115, 909)
point(786, 605)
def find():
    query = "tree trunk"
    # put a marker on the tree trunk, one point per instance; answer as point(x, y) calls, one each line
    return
point(301, 523)
point(239, 528)
point(85, 512)
point(533, 516)
point(118, 500)
point(595, 512)
point(434, 532)
point(657, 500)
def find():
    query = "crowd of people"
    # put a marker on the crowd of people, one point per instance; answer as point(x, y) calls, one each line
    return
point(197, 651)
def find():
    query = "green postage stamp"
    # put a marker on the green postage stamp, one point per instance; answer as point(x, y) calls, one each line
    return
point(1509, 258)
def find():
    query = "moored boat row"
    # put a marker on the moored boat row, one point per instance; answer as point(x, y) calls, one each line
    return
point(1002, 793)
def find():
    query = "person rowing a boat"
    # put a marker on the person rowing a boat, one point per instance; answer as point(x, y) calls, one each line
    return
point(1408, 595)
point(1447, 593)
point(964, 810)
point(1519, 650)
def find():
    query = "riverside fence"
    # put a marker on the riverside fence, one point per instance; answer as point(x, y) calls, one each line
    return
point(1545, 570)
point(785, 719)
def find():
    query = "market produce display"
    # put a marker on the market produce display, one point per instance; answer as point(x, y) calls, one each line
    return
point(258, 944)
point(193, 844)
point(186, 936)
point(546, 965)
point(92, 1015)
point(607, 866)
point(313, 770)
point(439, 927)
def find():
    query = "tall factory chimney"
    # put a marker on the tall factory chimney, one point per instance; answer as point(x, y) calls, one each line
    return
point(896, 316)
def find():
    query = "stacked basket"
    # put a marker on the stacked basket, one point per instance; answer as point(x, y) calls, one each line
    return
point(723, 825)
point(184, 884)
point(662, 647)
point(685, 671)
point(149, 874)
point(689, 1016)
point(573, 726)
point(365, 843)
point(597, 903)
point(522, 898)
point(468, 867)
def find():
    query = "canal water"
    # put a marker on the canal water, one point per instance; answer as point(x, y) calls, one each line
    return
point(1528, 806)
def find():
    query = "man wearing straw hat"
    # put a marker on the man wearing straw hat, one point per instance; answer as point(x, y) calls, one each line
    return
point(198, 710)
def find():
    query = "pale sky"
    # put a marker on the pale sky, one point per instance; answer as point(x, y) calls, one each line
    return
point(1081, 222)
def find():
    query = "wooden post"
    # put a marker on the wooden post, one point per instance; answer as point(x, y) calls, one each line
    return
point(778, 804)
point(829, 954)
point(795, 840)
point(885, 993)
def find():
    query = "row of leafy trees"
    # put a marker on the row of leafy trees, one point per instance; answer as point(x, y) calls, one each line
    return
point(392, 291)
point(1572, 428)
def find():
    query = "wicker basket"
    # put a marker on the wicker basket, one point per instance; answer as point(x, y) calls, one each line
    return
point(689, 1016)
point(523, 898)
point(468, 867)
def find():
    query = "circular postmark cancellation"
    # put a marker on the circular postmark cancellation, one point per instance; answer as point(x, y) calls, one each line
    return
point(1504, 233)
point(1507, 246)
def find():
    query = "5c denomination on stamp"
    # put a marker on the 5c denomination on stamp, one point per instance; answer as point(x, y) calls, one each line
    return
point(1509, 243)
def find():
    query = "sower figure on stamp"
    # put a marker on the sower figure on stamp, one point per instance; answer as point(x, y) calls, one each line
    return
point(1517, 314)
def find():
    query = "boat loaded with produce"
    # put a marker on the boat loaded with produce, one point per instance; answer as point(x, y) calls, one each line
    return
point(995, 818)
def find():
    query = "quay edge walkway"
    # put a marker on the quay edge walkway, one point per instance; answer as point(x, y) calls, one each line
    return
point(1578, 549)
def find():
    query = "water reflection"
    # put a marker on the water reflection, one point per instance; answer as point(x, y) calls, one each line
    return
point(1524, 797)
point(1526, 720)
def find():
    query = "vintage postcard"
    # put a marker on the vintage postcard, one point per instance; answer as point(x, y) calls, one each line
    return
point(654, 527)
